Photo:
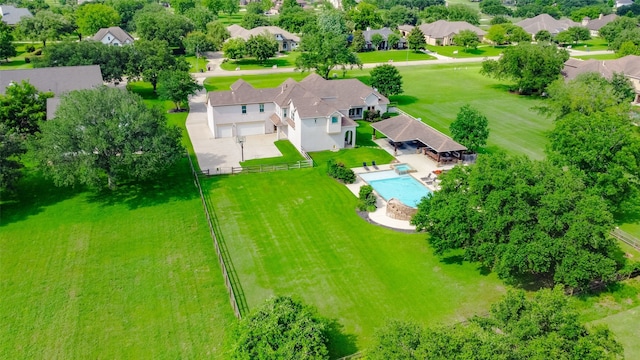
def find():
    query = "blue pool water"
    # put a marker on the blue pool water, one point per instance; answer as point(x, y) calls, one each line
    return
point(403, 168)
point(389, 184)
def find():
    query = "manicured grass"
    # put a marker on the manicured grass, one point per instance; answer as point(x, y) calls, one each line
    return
point(352, 157)
point(596, 43)
point(287, 60)
point(289, 154)
point(296, 233)
point(481, 51)
point(110, 275)
point(624, 325)
point(18, 62)
point(598, 57)
point(514, 125)
point(383, 56)
point(202, 63)
point(614, 299)
point(227, 19)
point(364, 134)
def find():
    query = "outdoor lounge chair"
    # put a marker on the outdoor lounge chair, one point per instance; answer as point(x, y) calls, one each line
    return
point(364, 165)
point(373, 163)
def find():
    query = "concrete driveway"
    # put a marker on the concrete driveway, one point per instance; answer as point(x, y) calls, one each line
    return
point(219, 155)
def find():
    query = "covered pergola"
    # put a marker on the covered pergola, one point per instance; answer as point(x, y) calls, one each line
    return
point(403, 128)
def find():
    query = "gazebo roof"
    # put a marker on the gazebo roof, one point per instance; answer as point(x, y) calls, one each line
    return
point(404, 128)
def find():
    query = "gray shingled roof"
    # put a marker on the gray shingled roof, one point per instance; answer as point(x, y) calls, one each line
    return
point(313, 96)
point(385, 32)
point(628, 65)
point(116, 32)
point(11, 15)
point(546, 22)
point(238, 31)
point(597, 24)
point(404, 128)
point(442, 28)
point(55, 79)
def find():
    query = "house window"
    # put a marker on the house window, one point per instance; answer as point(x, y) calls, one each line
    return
point(244, 109)
point(261, 108)
point(334, 119)
point(355, 112)
point(284, 112)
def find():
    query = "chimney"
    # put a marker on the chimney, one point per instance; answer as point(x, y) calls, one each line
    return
point(585, 20)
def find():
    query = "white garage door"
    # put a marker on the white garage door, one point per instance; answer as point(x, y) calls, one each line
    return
point(255, 128)
point(224, 131)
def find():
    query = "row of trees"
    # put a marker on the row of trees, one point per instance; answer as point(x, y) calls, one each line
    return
point(517, 327)
point(261, 47)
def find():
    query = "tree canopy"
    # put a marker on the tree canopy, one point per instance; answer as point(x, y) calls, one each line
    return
point(45, 25)
point(281, 328)
point(261, 47)
point(23, 108)
point(7, 49)
point(532, 66)
point(387, 79)
point(543, 327)
point(91, 17)
point(104, 136)
point(163, 26)
point(11, 147)
point(467, 39)
point(522, 218)
point(416, 39)
point(470, 128)
point(177, 86)
point(149, 58)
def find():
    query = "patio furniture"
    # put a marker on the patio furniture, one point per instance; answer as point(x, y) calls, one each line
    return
point(364, 165)
point(373, 163)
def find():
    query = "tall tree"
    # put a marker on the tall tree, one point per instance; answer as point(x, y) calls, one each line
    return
point(325, 51)
point(603, 147)
point(294, 19)
point(113, 60)
point(462, 12)
point(262, 46)
point(11, 148)
point(364, 16)
point(181, 6)
point(23, 108)
point(250, 21)
point(163, 26)
point(7, 49)
point(532, 66)
point(45, 25)
point(91, 17)
point(177, 86)
point(400, 15)
point(470, 128)
point(281, 329)
point(197, 42)
point(376, 41)
point(235, 48)
point(127, 9)
point(387, 79)
point(466, 38)
point(358, 43)
point(612, 30)
point(218, 33)
point(104, 136)
point(230, 6)
point(215, 6)
point(149, 58)
point(392, 40)
point(523, 219)
point(200, 17)
point(416, 39)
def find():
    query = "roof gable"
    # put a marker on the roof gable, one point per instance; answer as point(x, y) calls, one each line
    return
point(58, 80)
point(442, 28)
point(11, 15)
point(546, 22)
point(122, 36)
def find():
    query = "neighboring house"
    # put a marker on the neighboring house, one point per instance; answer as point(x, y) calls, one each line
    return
point(546, 22)
point(628, 65)
point(442, 32)
point(58, 80)
point(595, 25)
point(113, 36)
point(384, 32)
point(11, 15)
point(314, 114)
point(620, 3)
point(286, 40)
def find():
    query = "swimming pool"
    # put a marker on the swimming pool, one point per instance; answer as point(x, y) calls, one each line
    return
point(389, 184)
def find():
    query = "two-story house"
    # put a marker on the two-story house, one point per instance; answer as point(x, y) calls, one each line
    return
point(314, 114)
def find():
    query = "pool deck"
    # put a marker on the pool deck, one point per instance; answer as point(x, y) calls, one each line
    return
point(423, 165)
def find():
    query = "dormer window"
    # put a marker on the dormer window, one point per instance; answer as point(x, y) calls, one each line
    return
point(334, 119)
point(285, 112)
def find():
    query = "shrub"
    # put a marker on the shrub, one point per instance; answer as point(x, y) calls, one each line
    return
point(38, 52)
point(340, 172)
point(372, 115)
point(27, 60)
point(367, 199)
point(389, 115)
point(30, 48)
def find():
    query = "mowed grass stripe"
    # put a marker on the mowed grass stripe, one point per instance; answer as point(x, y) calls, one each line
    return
point(129, 274)
point(296, 233)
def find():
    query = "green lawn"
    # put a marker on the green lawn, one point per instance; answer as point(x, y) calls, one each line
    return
point(352, 157)
point(514, 126)
point(112, 274)
point(625, 327)
point(227, 19)
point(596, 43)
point(296, 233)
point(481, 51)
point(286, 60)
point(381, 56)
point(289, 155)
point(598, 57)
point(18, 62)
point(201, 63)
